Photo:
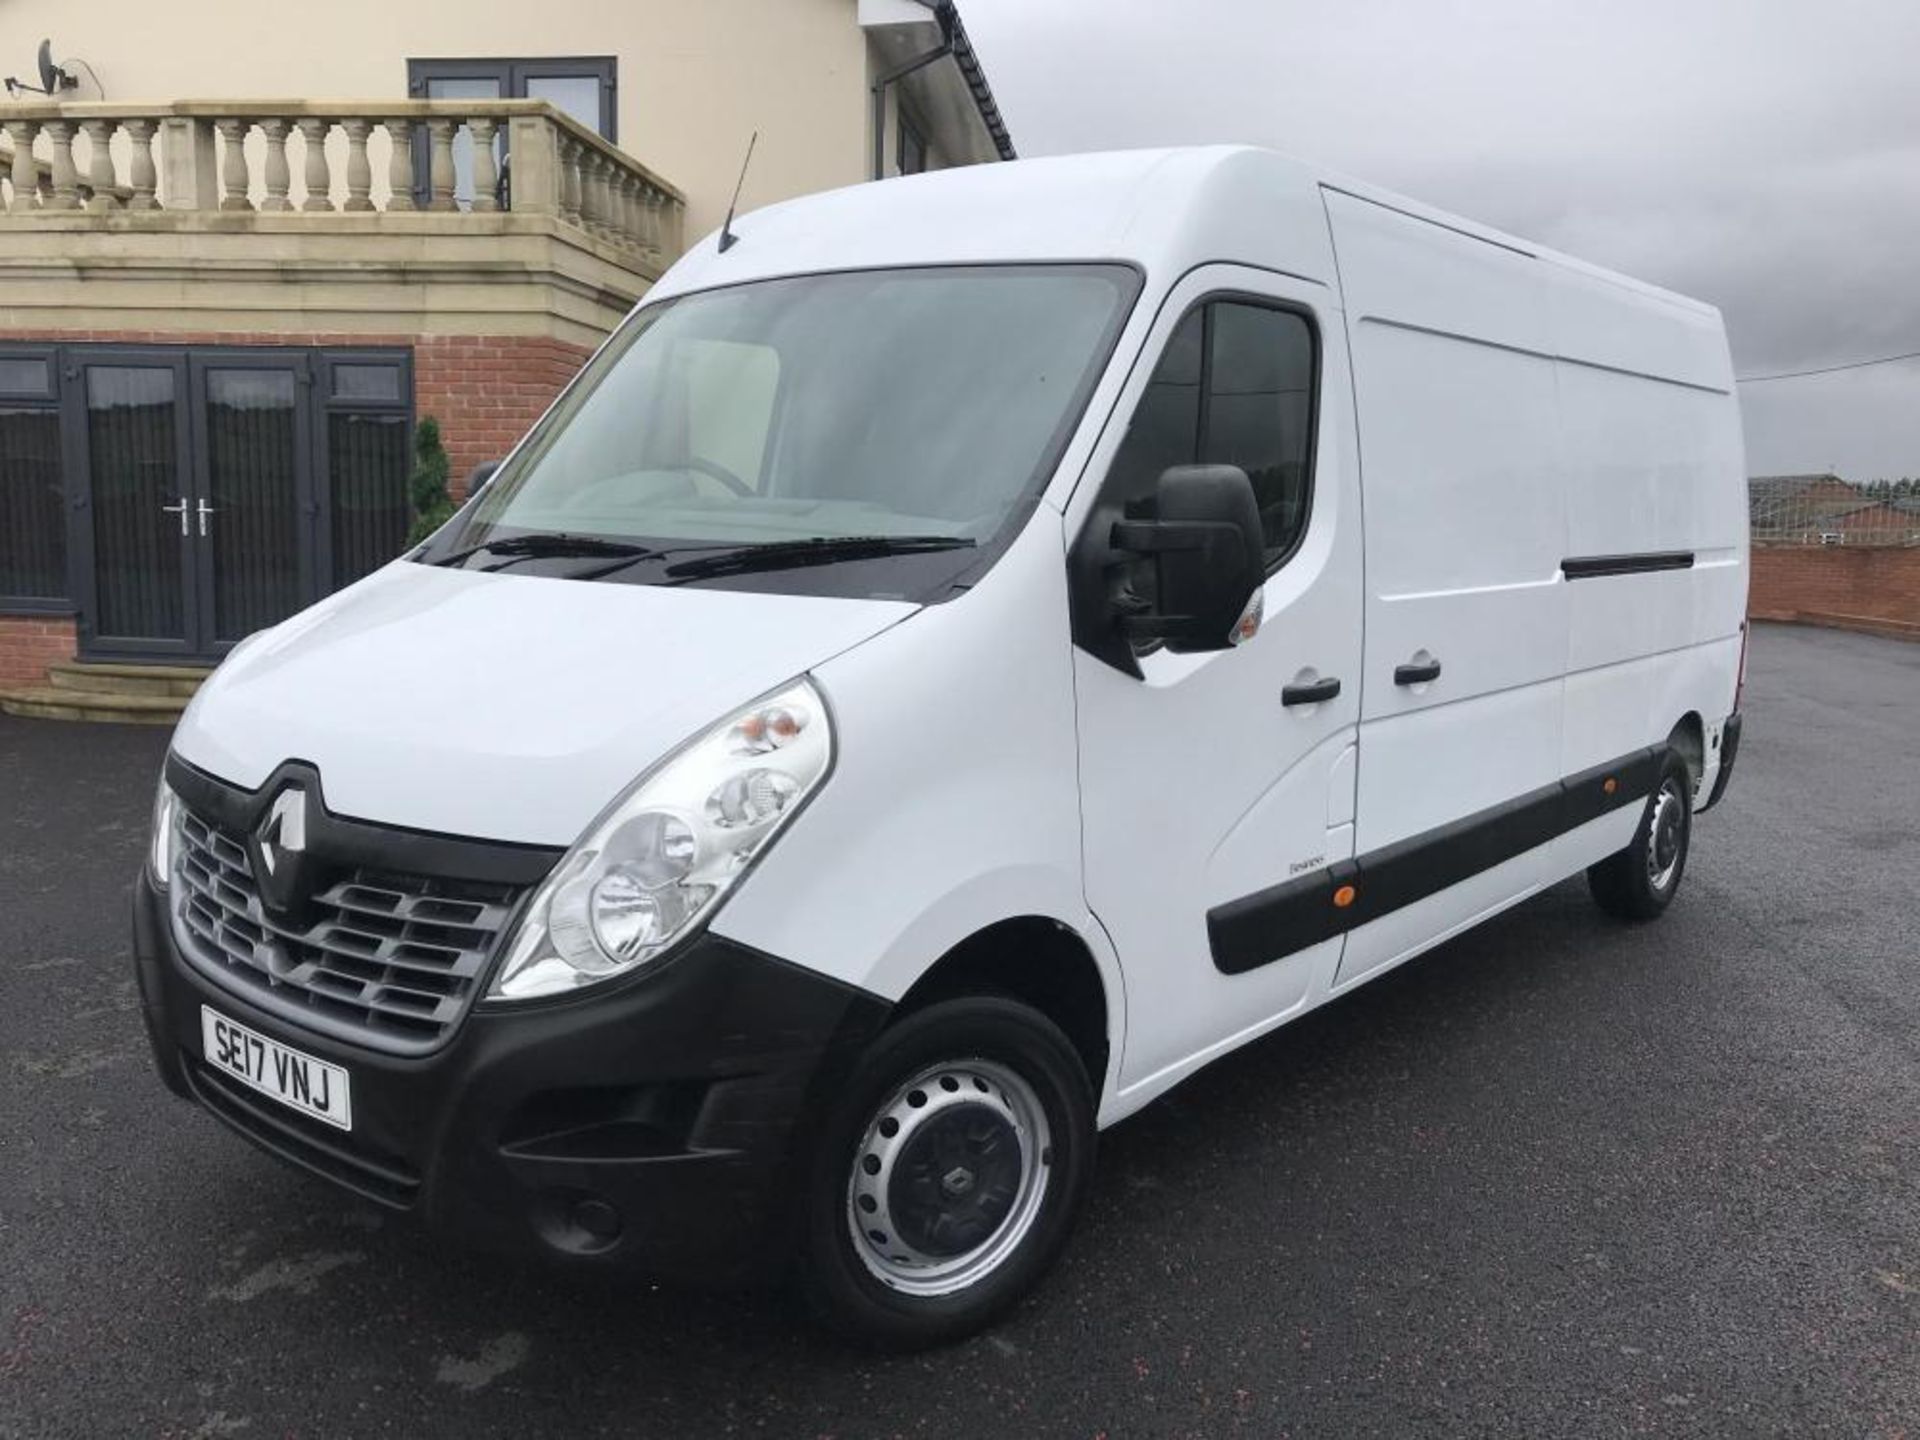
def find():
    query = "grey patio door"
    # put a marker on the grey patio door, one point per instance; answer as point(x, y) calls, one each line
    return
point(195, 513)
point(252, 491)
point(135, 517)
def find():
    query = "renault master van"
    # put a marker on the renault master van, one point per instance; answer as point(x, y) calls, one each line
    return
point(957, 661)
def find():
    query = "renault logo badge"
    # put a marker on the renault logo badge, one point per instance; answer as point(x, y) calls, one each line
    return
point(279, 847)
point(285, 828)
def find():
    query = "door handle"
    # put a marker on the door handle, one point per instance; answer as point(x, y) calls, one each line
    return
point(180, 510)
point(203, 510)
point(1312, 693)
point(1416, 674)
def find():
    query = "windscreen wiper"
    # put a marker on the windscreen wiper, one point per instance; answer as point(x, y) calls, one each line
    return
point(543, 544)
point(816, 550)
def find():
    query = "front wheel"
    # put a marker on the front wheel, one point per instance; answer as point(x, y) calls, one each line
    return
point(1639, 882)
point(949, 1174)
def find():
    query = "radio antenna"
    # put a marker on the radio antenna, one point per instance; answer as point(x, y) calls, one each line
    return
point(727, 237)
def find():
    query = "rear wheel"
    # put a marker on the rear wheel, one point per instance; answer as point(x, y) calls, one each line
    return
point(1639, 882)
point(949, 1175)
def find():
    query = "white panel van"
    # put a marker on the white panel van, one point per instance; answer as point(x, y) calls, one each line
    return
point(957, 661)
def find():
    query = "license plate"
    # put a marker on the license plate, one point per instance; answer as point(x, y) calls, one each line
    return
point(297, 1080)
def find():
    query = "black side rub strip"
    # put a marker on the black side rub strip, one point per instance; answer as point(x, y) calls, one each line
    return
point(1594, 567)
point(1272, 924)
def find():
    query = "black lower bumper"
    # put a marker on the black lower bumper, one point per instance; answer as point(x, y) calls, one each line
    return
point(1729, 749)
point(652, 1124)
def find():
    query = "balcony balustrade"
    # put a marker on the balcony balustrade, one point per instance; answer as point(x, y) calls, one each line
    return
point(239, 157)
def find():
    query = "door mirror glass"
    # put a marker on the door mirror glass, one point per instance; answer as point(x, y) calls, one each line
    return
point(1204, 548)
point(482, 477)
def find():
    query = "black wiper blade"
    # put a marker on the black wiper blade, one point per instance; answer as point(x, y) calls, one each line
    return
point(816, 550)
point(542, 544)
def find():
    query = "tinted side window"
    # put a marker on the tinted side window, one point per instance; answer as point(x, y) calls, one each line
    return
point(1235, 387)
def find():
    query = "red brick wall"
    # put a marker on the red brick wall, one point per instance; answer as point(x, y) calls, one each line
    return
point(29, 643)
point(486, 390)
point(1804, 581)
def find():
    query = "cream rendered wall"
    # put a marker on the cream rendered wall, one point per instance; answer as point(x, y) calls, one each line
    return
point(696, 77)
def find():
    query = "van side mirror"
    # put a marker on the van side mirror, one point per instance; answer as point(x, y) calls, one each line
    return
point(482, 476)
point(1208, 552)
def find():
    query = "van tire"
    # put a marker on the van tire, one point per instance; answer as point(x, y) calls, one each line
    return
point(995, 1070)
point(1639, 882)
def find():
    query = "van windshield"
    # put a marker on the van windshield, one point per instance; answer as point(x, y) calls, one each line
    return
point(798, 426)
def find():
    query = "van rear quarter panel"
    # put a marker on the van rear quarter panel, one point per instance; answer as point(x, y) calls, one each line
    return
point(1654, 463)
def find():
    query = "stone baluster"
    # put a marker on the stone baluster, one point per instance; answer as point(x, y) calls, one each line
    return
point(653, 236)
point(616, 182)
point(643, 221)
point(26, 174)
point(591, 208)
point(359, 170)
point(65, 194)
point(100, 165)
point(279, 178)
point(233, 163)
point(602, 194)
point(440, 171)
point(313, 130)
point(626, 202)
point(141, 177)
point(486, 172)
point(569, 178)
point(400, 166)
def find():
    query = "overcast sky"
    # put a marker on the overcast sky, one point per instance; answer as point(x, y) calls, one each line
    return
point(1763, 155)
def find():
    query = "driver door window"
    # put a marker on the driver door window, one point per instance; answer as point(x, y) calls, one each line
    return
point(1235, 386)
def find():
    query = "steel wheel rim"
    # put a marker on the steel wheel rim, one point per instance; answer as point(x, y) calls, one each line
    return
point(1664, 836)
point(957, 1099)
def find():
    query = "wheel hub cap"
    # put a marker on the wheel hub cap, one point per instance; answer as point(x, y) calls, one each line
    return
point(949, 1177)
point(1663, 847)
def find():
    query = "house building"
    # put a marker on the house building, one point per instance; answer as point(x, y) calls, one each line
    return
point(220, 317)
point(1826, 510)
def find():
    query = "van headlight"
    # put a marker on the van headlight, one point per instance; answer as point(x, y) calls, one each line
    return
point(660, 859)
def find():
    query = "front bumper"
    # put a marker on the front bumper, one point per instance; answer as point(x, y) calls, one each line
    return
point(651, 1123)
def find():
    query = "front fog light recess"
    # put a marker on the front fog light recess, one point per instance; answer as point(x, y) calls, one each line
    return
point(662, 857)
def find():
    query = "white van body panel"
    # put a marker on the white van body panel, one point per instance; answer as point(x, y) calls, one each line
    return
point(1520, 412)
point(501, 706)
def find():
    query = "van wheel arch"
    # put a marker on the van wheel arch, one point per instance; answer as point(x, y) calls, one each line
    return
point(1034, 959)
point(1688, 739)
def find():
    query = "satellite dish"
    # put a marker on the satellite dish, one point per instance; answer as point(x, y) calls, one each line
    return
point(53, 79)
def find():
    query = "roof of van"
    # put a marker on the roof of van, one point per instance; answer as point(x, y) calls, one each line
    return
point(1165, 210)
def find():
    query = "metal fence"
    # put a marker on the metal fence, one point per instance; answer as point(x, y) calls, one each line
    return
point(1826, 510)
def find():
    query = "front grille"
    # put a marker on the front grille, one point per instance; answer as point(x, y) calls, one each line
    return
point(386, 960)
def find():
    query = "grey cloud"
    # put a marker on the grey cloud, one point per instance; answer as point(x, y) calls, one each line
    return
point(1760, 155)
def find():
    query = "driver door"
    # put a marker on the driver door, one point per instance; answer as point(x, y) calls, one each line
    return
point(1218, 789)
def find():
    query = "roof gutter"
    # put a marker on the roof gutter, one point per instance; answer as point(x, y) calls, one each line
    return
point(953, 42)
point(975, 76)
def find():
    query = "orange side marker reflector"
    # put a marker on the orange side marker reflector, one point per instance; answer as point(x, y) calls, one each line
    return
point(1343, 897)
point(1609, 785)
